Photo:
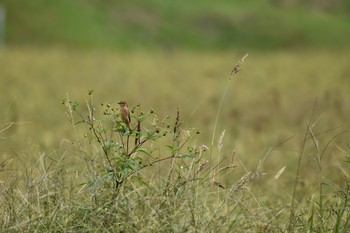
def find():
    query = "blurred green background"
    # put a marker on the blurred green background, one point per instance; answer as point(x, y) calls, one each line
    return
point(197, 24)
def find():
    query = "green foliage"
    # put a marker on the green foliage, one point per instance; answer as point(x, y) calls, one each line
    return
point(116, 154)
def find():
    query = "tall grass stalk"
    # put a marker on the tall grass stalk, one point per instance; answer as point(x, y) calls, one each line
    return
point(318, 157)
point(296, 179)
point(234, 71)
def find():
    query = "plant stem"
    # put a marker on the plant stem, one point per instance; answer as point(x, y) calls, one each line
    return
point(217, 119)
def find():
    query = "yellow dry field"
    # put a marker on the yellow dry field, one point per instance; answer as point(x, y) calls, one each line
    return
point(264, 116)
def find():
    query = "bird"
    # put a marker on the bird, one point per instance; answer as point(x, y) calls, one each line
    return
point(124, 113)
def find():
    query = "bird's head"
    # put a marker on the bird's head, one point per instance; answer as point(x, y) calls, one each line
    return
point(122, 103)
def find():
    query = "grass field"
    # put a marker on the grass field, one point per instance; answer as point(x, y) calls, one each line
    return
point(285, 116)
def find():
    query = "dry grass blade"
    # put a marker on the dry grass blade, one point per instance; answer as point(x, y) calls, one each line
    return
point(215, 183)
point(6, 127)
point(279, 173)
point(233, 156)
point(247, 178)
point(202, 165)
point(236, 68)
point(227, 167)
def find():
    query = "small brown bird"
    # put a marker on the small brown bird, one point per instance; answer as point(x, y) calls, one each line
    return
point(124, 113)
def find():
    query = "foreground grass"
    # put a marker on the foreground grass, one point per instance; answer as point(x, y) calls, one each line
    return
point(282, 164)
point(53, 193)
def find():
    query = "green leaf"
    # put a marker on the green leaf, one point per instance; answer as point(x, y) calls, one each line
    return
point(79, 122)
point(143, 150)
point(171, 148)
point(74, 105)
point(184, 156)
